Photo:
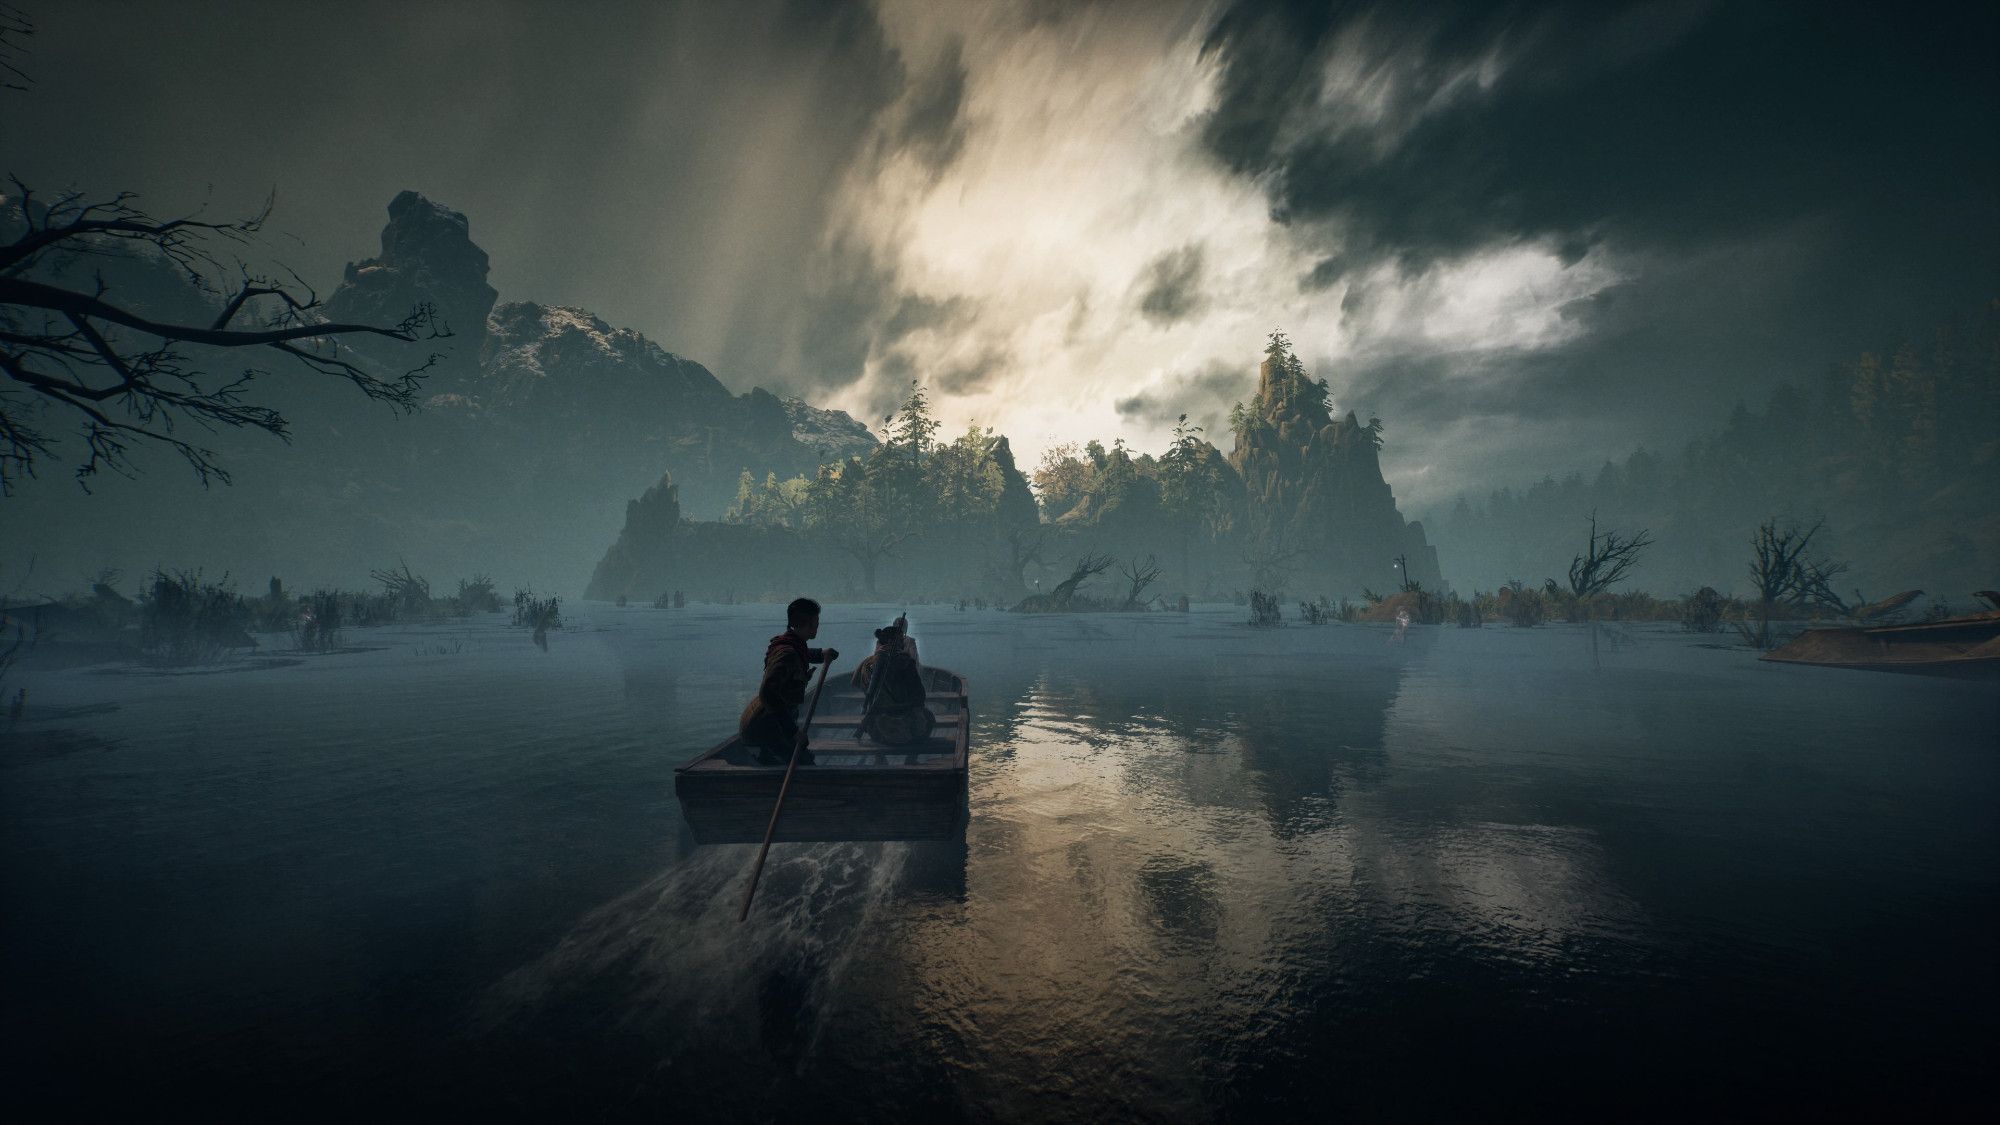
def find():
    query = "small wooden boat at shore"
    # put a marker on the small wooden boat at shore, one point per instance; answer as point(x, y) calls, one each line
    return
point(1961, 647)
point(856, 789)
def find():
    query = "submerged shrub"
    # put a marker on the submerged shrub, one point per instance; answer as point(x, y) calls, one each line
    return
point(539, 614)
point(478, 595)
point(318, 626)
point(184, 620)
point(1702, 612)
point(410, 593)
point(1521, 605)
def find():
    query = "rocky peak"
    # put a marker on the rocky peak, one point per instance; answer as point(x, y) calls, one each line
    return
point(535, 350)
point(427, 255)
point(833, 432)
point(1313, 481)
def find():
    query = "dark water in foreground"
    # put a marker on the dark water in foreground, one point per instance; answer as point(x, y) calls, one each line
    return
point(1209, 873)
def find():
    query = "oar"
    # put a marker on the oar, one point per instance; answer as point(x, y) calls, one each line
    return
point(772, 828)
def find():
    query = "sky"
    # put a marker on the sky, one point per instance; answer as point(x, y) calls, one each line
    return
point(1528, 237)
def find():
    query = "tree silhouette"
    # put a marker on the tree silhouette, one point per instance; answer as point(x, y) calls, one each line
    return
point(125, 378)
point(121, 377)
point(1604, 561)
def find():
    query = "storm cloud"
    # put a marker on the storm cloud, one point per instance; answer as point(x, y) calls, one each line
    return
point(1527, 236)
point(1204, 394)
point(1170, 287)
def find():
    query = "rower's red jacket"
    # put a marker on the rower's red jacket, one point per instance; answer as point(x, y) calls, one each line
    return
point(772, 717)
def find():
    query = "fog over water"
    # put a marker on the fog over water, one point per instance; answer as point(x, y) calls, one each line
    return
point(1208, 871)
point(1651, 327)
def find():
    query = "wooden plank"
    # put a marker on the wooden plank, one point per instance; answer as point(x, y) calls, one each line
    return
point(953, 722)
point(950, 720)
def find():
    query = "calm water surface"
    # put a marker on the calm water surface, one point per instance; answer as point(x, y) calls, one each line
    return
point(1210, 873)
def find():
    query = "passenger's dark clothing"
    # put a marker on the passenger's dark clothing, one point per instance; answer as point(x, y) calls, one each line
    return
point(893, 710)
point(770, 721)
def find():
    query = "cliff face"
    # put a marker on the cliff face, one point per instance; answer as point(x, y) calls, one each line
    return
point(1313, 485)
point(428, 256)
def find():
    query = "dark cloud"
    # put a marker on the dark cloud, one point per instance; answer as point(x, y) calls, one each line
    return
point(1204, 394)
point(914, 312)
point(973, 376)
point(1630, 376)
point(847, 298)
point(932, 128)
point(673, 167)
point(1646, 124)
point(1781, 185)
point(854, 311)
point(1324, 275)
point(1170, 287)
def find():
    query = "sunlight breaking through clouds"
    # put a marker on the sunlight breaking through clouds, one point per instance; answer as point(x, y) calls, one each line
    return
point(1098, 255)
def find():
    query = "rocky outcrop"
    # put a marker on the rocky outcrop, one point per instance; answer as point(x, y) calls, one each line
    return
point(542, 357)
point(833, 432)
point(557, 380)
point(427, 256)
point(1314, 490)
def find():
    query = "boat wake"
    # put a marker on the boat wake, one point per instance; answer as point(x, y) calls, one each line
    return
point(668, 964)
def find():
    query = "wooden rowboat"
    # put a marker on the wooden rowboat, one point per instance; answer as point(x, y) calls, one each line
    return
point(857, 789)
point(1960, 647)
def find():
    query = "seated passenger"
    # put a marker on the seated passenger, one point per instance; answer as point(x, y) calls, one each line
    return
point(893, 710)
point(866, 668)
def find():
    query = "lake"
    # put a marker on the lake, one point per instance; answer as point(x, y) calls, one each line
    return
point(1209, 873)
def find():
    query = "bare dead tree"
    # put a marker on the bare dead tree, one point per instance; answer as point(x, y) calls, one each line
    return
point(410, 592)
point(1777, 567)
point(1270, 566)
point(124, 378)
point(14, 27)
point(1888, 609)
point(1813, 586)
point(1086, 568)
point(1024, 546)
point(1140, 576)
point(1604, 562)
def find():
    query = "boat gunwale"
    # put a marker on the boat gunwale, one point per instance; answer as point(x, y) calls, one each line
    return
point(960, 753)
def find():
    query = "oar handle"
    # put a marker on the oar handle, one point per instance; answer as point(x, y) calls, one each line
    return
point(771, 829)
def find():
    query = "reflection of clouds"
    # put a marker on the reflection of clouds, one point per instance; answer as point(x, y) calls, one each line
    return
point(1138, 914)
point(1174, 860)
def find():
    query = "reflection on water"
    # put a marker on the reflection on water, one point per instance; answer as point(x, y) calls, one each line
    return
point(1208, 872)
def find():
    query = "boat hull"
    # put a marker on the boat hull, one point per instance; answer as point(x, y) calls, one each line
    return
point(821, 808)
point(856, 789)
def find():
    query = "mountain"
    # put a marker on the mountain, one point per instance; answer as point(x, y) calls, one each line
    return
point(538, 424)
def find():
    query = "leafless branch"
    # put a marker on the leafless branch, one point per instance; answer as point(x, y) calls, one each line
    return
point(81, 351)
point(1604, 561)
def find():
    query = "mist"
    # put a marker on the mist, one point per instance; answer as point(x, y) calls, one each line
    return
point(1384, 542)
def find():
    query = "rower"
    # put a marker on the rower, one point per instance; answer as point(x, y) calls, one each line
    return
point(770, 721)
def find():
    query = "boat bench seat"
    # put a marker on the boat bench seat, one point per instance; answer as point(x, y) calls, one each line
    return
point(855, 720)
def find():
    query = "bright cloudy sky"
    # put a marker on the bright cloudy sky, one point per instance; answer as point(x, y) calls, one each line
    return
point(1528, 237)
